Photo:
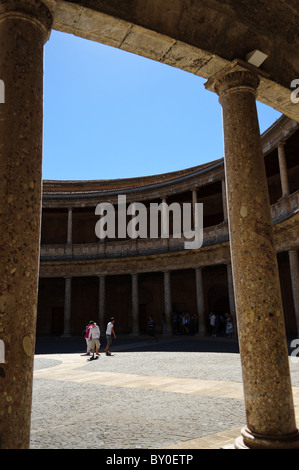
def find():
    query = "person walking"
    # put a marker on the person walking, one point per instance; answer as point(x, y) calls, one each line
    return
point(88, 348)
point(94, 337)
point(109, 333)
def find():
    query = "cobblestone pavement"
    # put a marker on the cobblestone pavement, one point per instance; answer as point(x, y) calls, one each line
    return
point(178, 393)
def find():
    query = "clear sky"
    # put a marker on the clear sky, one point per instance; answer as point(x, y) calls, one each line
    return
point(112, 114)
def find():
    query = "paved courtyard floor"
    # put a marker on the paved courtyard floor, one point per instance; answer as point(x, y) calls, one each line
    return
point(180, 393)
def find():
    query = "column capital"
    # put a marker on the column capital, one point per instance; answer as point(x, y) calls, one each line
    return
point(236, 75)
point(34, 11)
point(281, 143)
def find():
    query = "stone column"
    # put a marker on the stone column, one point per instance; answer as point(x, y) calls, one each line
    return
point(135, 305)
point(294, 269)
point(102, 300)
point(69, 231)
point(164, 222)
point(283, 170)
point(24, 28)
point(200, 302)
point(167, 303)
point(194, 201)
point(262, 339)
point(67, 307)
point(224, 199)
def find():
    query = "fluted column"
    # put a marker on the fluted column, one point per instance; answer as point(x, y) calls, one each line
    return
point(263, 347)
point(135, 305)
point(294, 269)
point(283, 170)
point(67, 307)
point(200, 302)
point(24, 28)
point(167, 303)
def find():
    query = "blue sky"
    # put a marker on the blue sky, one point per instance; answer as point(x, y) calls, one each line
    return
point(112, 114)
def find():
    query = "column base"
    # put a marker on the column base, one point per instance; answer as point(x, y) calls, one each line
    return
point(248, 440)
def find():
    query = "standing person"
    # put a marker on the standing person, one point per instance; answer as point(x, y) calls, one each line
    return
point(212, 317)
point(94, 336)
point(151, 329)
point(109, 332)
point(229, 328)
point(88, 348)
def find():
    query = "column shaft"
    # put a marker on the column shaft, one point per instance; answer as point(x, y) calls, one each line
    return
point(167, 303)
point(200, 302)
point(67, 307)
point(135, 305)
point(194, 211)
point(102, 301)
point(24, 28)
point(69, 231)
point(283, 170)
point(263, 348)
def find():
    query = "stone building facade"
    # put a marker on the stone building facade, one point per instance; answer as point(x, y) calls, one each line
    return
point(83, 277)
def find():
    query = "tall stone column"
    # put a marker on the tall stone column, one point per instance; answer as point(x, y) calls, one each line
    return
point(200, 302)
point(69, 231)
point(165, 226)
point(24, 28)
point(283, 170)
point(102, 302)
point(294, 269)
point(263, 347)
point(67, 307)
point(167, 303)
point(194, 211)
point(135, 305)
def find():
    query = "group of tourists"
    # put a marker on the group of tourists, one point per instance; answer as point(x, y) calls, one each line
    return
point(184, 323)
point(221, 324)
point(92, 336)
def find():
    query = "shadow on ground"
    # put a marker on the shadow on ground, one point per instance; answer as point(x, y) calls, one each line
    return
point(76, 344)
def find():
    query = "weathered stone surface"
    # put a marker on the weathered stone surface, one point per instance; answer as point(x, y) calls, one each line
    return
point(24, 28)
point(266, 378)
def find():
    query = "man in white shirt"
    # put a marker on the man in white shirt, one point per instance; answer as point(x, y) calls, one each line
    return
point(94, 337)
point(109, 332)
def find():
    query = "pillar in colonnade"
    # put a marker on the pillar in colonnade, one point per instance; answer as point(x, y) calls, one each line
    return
point(24, 28)
point(283, 170)
point(69, 231)
point(102, 303)
point(167, 303)
point(135, 305)
point(262, 339)
point(202, 330)
point(67, 307)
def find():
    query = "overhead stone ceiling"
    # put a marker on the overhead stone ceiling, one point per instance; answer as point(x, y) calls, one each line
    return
point(199, 36)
